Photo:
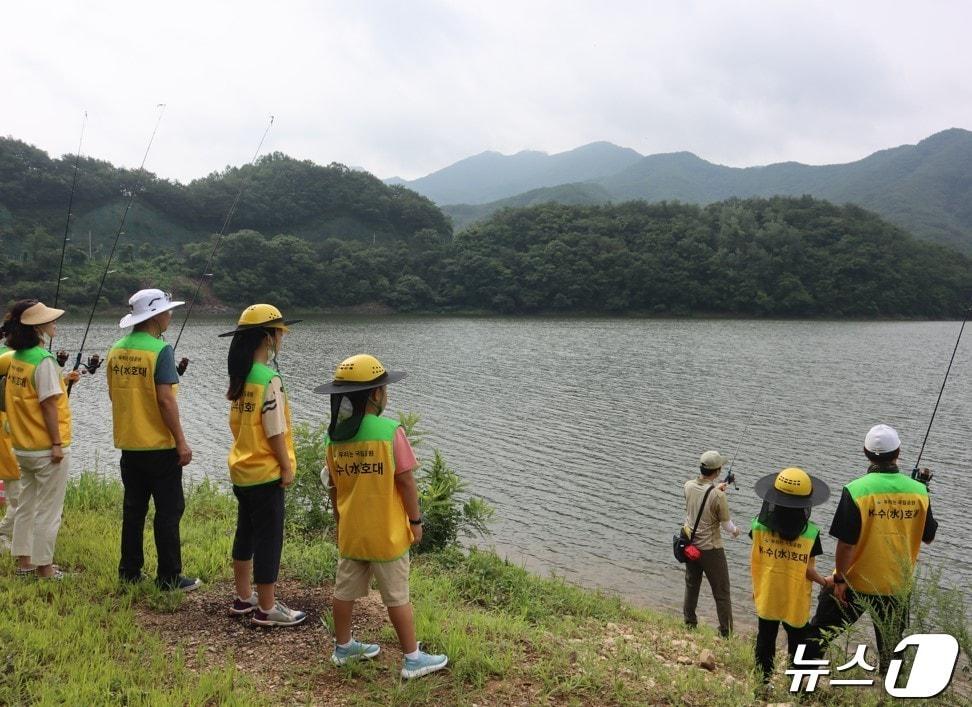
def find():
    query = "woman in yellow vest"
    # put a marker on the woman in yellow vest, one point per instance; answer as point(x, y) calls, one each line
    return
point(375, 503)
point(783, 560)
point(9, 470)
point(262, 463)
point(40, 429)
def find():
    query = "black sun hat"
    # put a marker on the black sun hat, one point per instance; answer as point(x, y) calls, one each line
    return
point(792, 488)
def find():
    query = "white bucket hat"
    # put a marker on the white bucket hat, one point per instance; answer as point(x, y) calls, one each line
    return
point(145, 304)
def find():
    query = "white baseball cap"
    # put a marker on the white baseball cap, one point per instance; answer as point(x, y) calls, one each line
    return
point(712, 460)
point(881, 439)
point(145, 304)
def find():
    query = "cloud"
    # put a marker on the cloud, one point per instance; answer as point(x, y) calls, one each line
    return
point(406, 88)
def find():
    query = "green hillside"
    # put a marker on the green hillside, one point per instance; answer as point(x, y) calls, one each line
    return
point(463, 215)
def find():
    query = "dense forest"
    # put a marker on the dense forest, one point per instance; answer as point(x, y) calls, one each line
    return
point(320, 238)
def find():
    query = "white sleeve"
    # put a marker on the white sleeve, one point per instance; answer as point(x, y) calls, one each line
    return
point(47, 379)
point(730, 527)
point(272, 413)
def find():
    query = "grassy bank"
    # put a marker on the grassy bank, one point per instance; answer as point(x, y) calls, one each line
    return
point(512, 638)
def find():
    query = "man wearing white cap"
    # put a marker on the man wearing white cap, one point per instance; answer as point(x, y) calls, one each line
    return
point(712, 563)
point(880, 523)
point(142, 384)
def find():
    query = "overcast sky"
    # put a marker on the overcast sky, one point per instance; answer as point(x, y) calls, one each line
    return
point(405, 88)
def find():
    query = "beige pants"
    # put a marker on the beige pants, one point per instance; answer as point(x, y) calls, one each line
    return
point(38, 518)
point(12, 490)
point(354, 578)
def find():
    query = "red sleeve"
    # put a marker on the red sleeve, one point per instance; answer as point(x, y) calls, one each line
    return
point(404, 454)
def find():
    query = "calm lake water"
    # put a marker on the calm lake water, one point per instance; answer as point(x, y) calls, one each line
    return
point(581, 432)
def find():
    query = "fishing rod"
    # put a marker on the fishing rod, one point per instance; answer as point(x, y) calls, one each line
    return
point(925, 475)
point(94, 361)
point(184, 363)
point(62, 356)
point(730, 477)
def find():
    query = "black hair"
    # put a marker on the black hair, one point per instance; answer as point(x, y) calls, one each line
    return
point(239, 360)
point(883, 457)
point(788, 523)
point(340, 430)
point(709, 472)
point(20, 336)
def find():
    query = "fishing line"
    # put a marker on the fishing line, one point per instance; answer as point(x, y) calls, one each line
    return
point(219, 237)
point(67, 223)
point(94, 362)
point(730, 477)
point(916, 473)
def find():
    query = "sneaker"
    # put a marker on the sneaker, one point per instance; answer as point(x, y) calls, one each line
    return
point(26, 572)
point(423, 665)
point(57, 575)
point(279, 615)
point(129, 580)
point(245, 606)
point(180, 584)
point(354, 651)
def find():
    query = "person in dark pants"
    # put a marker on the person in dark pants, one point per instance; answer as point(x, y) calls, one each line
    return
point(142, 383)
point(712, 564)
point(262, 463)
point(881, 520)
point(783, 560)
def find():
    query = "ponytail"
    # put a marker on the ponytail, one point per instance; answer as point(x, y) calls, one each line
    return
point(239, 360)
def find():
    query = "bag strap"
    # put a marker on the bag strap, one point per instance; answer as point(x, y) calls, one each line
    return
point(698, 518)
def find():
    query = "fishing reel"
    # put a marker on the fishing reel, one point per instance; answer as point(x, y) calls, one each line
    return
point(182, 365)
point(731, 479)
point(92, 364)
point(923, 475)
point(62, 357)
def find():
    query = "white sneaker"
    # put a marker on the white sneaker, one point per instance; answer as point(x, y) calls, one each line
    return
point(279, 615)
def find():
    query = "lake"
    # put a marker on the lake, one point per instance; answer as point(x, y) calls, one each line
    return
point(581, 432)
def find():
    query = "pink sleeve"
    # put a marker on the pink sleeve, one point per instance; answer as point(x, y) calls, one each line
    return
point(404, 455)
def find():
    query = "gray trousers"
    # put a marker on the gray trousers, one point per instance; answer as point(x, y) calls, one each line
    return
point(715, 568)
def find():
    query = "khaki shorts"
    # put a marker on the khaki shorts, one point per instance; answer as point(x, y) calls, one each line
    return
point(354, 577)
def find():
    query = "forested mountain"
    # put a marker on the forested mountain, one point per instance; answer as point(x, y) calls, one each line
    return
point(573, 194)
point(925, 188)
point(282, 195)
point(490, 176)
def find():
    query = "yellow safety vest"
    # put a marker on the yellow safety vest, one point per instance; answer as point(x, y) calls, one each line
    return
point(893, 509)
point(251, 460)
point(136, 417)
point(372, 522)
point(781, 590)
point(28, 433)
point(9, 469)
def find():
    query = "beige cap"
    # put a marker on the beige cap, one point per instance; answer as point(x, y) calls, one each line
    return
point(40, 313)
point(712, 460)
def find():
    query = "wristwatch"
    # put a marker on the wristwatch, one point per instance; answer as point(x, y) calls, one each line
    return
point(415, 522)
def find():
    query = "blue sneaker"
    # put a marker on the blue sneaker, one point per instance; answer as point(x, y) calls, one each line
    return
point(354, 651)
point(423, 665)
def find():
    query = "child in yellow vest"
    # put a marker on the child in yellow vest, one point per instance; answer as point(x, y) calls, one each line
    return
point(782, 560)
point(375, 504)
point(9, 471)
point(261, 462)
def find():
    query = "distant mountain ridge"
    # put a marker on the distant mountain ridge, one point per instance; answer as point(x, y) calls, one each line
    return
point(924, 188)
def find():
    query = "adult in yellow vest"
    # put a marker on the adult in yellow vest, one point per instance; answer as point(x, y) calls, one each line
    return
point(880, 522)
point(783, 560)
point(375, 503)
point(142, 385)
point(39, 417)
point(261, 462)
point(9, 470)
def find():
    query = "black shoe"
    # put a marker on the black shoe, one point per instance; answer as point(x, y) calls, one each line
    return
point(180, 584)
point(127, 579)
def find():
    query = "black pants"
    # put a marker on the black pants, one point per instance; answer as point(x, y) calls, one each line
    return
point(889, 614)
point(713, 565)
point(766, 643)
point(260, 529)
point(156, 475)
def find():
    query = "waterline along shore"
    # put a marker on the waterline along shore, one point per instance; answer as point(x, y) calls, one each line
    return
point(512, 637)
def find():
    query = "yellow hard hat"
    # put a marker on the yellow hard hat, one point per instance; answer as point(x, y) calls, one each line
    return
point(792, 488)
point(359, 372)
point(261, 315)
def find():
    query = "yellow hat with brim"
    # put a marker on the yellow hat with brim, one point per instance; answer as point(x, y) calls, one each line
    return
point(792, 488)
point(40, 313)
point(258, 316)
point(359, 372)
